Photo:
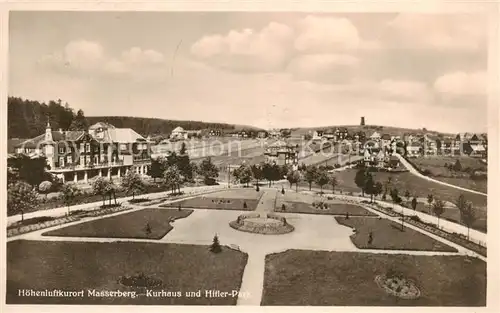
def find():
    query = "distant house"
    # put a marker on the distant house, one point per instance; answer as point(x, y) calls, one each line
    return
point(478, 151)
point(341, 133)
point(317, 135)
point(375, 136)
point(179, 134)
point(215, 133)
point(274, 133)
point(262, 134)
point(385, 140)
point(393, 162)
point(371, 145)
point(281, 153)
point(381, 158)
point(329, 135)
point(414, 149)
point(429, 145)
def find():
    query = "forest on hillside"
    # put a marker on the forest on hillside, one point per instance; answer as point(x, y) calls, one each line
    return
point(28, 118)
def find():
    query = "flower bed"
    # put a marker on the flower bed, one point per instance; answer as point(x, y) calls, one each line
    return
point(272, 224)
point(54, 221)
point(140, 280)
point(398, 286)
point(453, 237)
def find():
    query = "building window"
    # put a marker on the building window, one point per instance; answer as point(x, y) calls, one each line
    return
point(61, 161)
point(70, 159)
point(87, 147)
point(82, 160)
point(87, 159)
point(61, 150)
point(82, 148)
point(123, 146)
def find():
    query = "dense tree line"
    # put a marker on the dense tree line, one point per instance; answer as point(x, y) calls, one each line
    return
point(28, 119)
point(150, 126)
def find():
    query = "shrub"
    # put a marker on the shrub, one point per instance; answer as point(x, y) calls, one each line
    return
point(138, 200)
point(426, 172)
point(45, 187)
point(112, 205)
point(415, 218)
point(215, 246)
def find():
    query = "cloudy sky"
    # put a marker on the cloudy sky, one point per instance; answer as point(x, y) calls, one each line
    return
point(261, 69)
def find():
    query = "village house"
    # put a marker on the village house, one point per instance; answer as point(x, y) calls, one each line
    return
point(102, 150)
point(329, 135)
point(262, 134)
point(429, 144)
point(375, 137)
point(317, 135)
point(385, 140)
point(282, 153)
point(341, 133)
point(178, 134)
point(414, 149)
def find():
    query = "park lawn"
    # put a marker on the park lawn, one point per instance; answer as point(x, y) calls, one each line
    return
point(319, 278)
point(48, 265)
point(389, 236)
point(238, 193)
point(128, 225)
point(333, 209)
point(436, 164)
point(215, 204)
point(478, 185)
point(233, 199)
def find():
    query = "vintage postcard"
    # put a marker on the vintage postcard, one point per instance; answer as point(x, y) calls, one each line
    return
point(249, 158)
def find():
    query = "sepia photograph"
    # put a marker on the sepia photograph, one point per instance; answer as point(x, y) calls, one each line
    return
point(241, 158)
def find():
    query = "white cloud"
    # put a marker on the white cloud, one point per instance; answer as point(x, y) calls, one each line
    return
point(462, 84)
point(271, 48)
point(324, 67)
point(267, 49)
point(441, 32)
point(326, 34)
point(83, 54)
point(83, 57)
point(137, 56)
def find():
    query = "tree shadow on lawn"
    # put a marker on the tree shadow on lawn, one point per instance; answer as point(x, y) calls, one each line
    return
point(142, 224)
point(387, 235)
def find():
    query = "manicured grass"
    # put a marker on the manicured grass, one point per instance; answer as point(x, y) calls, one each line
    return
point(478, 185)
point(238, 193)
point(333, 208)
point(298, 277)
point(233, 199)
point(128, 225)
point(388, 235)
point(215, 203)
point(436, 163)
point(41, 265)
